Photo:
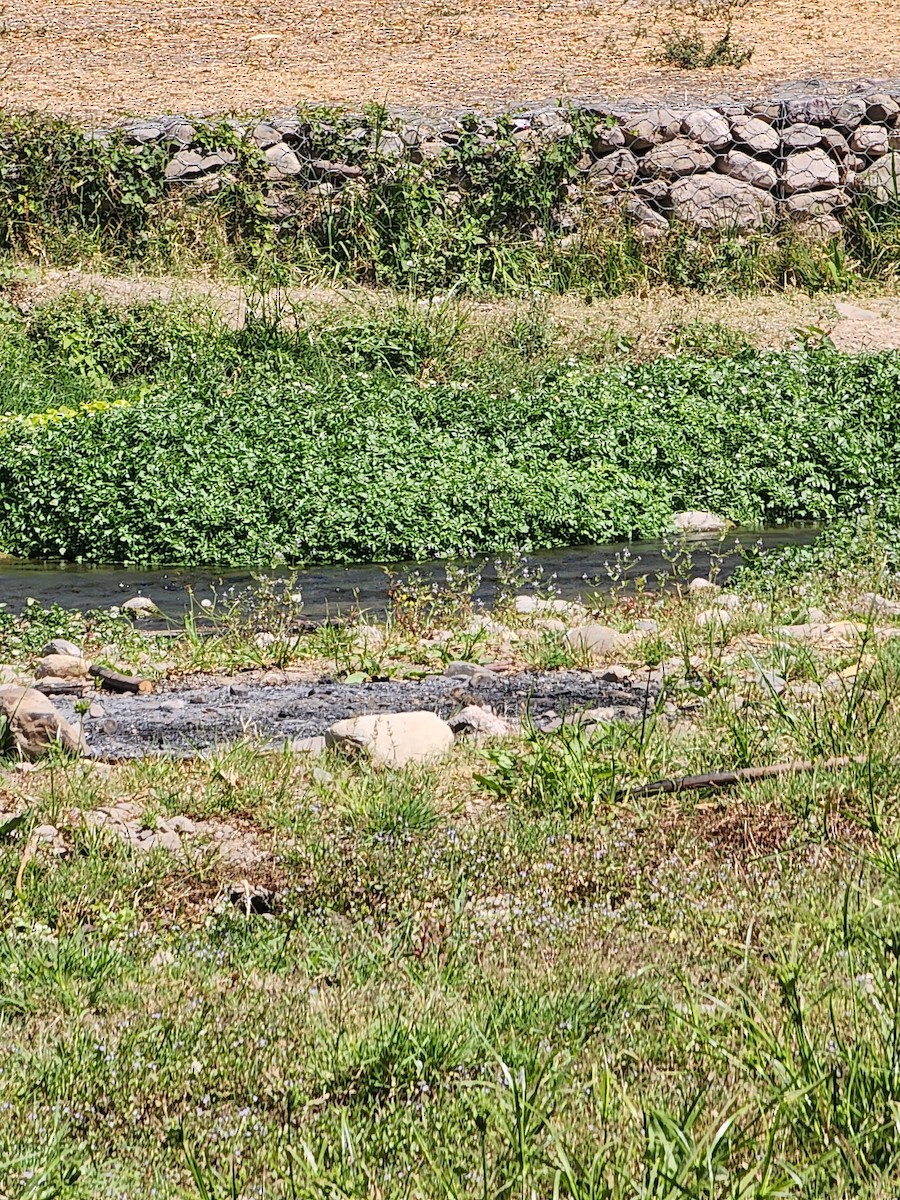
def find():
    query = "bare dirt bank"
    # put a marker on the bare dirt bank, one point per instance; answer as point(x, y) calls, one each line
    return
point(127, 56)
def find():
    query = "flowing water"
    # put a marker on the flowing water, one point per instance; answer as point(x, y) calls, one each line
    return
point(572, 572)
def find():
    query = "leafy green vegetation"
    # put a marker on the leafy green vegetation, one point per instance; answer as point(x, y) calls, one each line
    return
point(376, 438)
point(689, 51)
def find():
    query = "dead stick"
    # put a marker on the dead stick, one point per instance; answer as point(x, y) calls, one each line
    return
point(62, 687)
point(724, 779)
point(27, 856)
point(112, 681)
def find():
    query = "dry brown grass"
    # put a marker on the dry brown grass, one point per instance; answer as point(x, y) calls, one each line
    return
point(128, 56)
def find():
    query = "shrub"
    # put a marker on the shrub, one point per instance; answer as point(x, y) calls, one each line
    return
point(381, 442)
point(690, 52)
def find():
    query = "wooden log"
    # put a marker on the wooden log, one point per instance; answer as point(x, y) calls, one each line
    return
point(51, 685)
point(723, 779)
point(113, 681)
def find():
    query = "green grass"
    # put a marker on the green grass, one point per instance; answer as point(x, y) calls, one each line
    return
point(483, 978)
point(388, 436)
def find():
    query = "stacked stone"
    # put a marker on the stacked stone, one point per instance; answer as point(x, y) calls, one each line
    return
point(728, 164)
point(746, 166)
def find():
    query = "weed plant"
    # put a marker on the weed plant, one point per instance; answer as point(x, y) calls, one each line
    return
point(689, 51)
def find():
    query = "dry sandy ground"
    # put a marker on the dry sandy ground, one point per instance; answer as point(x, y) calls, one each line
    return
point(655, 321)
point(96, 58)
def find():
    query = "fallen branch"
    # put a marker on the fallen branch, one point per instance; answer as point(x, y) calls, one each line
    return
point(724, 779)
point(113, 681)
point(61, 687)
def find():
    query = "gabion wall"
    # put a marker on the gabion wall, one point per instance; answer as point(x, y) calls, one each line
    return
point(804, 155)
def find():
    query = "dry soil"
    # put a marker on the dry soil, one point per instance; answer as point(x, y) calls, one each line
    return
point(97, 58)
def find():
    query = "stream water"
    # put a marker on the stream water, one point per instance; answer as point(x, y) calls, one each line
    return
point(572, 571)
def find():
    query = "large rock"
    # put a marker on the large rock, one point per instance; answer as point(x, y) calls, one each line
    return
point(808, 170)
point(140, 606)
point(648, 223)
point(617, 169)
point(882, 180)
point(849, 113)
point(835, 143)
point(672, 160)
point(479, 723)
point(871, 602)
point(143, 132)
point(815, 204)
point(807, 110)
point(715, 201)
point(653, 191)
point(708, 127)
point(188, 164)
point(801, 136)
point(393, 739)
point(62, 666)
point(756, 134)
point(650, 128)
point(607, 138)
point(283, 162)
point(765, 110)
point(598, 639)
point(872, 140)
point(699, 521)
point(882, 108)
point(61, 646)
point(32, 724)
point(265, 135)
point(737, 165)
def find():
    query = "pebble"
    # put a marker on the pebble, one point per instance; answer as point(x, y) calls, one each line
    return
point(646, 625)
point(306, 745)
point(140, 607)
point(713, 616)
point(96, 710)
point(771, 681)
point(600, 716)
point(615, 674)
point(729, 601)
point(61, 646)
point(463, 670)
point(181, 824)
point(550, 625)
